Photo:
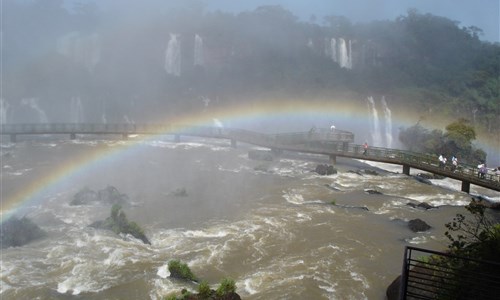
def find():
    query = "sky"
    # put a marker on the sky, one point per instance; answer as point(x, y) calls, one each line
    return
point(480, 13)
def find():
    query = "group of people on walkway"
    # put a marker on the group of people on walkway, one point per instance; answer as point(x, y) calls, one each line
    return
point(443, 161)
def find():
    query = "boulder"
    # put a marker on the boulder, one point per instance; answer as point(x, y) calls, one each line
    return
point(422, 179)
point(109, 195)
point(325, 170)
point(423, 205)
point(417, 225)
point(486, 202)
point(373, 192)
point(371, 172)
point(18, 232)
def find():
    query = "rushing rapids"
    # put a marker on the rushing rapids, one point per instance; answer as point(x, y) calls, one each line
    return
point(275, 227)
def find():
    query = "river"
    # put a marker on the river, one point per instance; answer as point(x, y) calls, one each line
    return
point(278, 229)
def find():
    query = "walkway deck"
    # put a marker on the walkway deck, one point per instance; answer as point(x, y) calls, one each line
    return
point(336, 143)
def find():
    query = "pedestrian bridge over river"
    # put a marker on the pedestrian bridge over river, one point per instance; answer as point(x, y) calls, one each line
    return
point(336, 143)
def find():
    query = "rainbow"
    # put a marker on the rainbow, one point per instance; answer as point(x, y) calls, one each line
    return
point(277, 115)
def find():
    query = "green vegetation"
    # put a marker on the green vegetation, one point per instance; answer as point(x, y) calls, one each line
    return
point(333, 202)
point(119, 223)
point(456, 141)
point(180, 270)
point(226, 286)
point(204, 290)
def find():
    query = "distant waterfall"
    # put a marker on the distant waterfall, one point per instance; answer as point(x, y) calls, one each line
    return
point(4, 107)
point(345, 54)
point(381, 134)
point(374, 122)
point(173, 56)
point(388, 123)
point(198, 51)
point(33, 104)
point(76, 110)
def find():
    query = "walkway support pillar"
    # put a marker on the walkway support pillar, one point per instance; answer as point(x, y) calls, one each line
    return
point(333, 159)
point(233, 143)
point(406, 169)
point(466, 187)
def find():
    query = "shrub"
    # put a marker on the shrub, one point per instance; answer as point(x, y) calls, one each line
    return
point(204, 290)
point(180, 270)
point(226, 286)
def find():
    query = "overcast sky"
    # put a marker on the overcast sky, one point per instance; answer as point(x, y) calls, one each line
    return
point(481, 13)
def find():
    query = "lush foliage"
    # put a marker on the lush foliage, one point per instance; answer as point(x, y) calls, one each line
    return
point(119, 223)
point(204, 290)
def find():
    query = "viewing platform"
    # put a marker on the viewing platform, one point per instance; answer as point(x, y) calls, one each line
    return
point(333, 143)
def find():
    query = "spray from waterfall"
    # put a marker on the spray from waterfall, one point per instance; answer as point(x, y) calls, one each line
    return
point(388, 123)
point(374, 122)
point(198, 51)
point(173, 56)
point(333, 46)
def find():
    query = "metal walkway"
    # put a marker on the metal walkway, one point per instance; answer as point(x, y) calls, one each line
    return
point(337, 143)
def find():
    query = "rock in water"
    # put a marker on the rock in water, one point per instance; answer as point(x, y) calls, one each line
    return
point(18, 232)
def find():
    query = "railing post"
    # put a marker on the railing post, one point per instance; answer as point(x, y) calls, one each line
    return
point(466, 187)
point(406, 170)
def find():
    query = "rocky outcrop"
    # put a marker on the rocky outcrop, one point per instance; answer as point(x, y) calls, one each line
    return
point(423, 205)
point(118, 223)
point(373, 192)
point(109, 195)
point(486, 202)
point(417, 225)
point(18, 232)
point(422, 179)
point(325, 170)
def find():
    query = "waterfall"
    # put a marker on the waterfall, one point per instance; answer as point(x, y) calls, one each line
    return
point(344, 54)
point(76, 110)
point(173, 56)
point(4, 107)
point(374, 123)
point(388, 123)
point(198, 51)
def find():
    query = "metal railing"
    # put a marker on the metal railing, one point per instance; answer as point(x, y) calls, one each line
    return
point(431, 274)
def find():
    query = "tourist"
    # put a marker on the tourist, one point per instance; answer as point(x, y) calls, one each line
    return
point(332, 128)
point(454, 163)
point(441, 161)
point(365, 148)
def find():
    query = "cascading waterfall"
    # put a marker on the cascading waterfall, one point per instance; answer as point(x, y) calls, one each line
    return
point(344, 54)
point(388, 123)
point(4, 107)
point(198, 51)
point(173, 56)
point(76, 110)
point(374, 123)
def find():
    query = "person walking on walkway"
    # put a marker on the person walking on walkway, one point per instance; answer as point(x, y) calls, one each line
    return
point(365, 148)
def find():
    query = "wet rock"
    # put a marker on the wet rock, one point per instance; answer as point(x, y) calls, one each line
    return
point(355, 172)
point(180, 192)
point(265, 155)
point(371, 172)
point(18, 232)
point(109, 195)
point(423, 205)
point(325, 170)
point(118, 223)
point(486, 202)
point(422, 179)
point(333, 188)
point(373, 192)
point(417, 225)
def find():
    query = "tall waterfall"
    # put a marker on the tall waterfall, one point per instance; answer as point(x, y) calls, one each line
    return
point(198, 51)
point(4, 107)
point(380, 133)
point(388, 123)
point(76, 110)
point(173, 56)
point(345, 54)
